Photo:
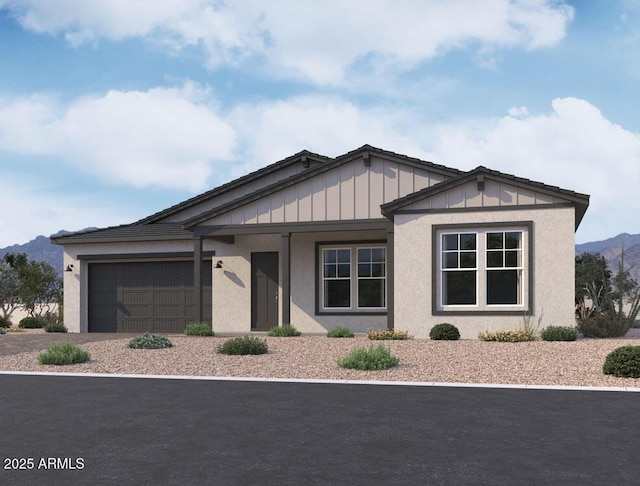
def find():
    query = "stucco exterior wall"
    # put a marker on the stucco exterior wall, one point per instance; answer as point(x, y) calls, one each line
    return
point(304, 284)
point(552, 270)
point(232, 282)
point(76, 282)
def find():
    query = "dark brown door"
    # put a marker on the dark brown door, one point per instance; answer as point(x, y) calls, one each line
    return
point(264, 290)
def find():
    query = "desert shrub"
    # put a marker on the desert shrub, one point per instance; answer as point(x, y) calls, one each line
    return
point(623, 362)
point(149, 341)
point(387, 334)
point(198, 329)
point(444, 332)
point(243, 345)
point(286, 330)
point(30, 322)
point(13, 329)
point(5, 322)
point(508, 335)
point(63, 353)
point(49, 318)
point(55, 327)
point(602, 326)
point(374, 358)
point(340, 332)
point(559, 333)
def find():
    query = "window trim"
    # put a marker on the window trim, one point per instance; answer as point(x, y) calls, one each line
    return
point(353, 245)
point(482, 309)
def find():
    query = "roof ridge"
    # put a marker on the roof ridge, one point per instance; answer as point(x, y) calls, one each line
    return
point(230, 184)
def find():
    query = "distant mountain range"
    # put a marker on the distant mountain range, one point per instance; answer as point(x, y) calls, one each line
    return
point(41, 249)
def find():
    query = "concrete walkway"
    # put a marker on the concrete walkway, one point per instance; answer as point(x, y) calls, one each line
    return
point(34, 340)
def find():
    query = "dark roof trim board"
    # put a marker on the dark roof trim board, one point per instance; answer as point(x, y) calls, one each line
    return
point(130, 232)
point(179, 255)
point(481, 174)
point(363, 152)
point(301, 157)
point(302, 227)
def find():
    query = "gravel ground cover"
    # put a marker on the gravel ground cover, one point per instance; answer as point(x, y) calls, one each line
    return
point(465, 361)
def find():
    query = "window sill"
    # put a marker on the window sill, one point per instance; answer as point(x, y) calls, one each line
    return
point(351, 313)
point(481, 312)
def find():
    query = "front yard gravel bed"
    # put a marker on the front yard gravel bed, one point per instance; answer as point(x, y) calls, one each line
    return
point(314, 357)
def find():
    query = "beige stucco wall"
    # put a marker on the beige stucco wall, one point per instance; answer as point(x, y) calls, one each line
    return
point(232, 283)
point(552, 270)
point(304, 286)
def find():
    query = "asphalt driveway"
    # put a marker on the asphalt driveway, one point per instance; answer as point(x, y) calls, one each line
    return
point(164, 431)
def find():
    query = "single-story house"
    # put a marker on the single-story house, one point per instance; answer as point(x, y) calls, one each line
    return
point(369, 239)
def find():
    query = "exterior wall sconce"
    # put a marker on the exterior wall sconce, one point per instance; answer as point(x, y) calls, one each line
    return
point(218, 264)
point(69, 268)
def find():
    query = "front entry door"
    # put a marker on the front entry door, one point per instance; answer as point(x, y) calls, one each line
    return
point(264, 290)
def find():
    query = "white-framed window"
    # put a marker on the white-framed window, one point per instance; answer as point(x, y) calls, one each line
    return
point(504, 268)
point(353, 278)
point(482, 269)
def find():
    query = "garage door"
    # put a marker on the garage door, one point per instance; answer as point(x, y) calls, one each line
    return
point(145, 296)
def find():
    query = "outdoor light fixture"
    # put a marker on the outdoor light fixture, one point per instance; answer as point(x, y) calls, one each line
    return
point(218, 264)
point(69, 268)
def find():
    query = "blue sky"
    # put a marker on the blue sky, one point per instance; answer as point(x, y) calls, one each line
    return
point(111, 111)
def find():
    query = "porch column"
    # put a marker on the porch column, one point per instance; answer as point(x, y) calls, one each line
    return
point(197, 277)
point(390, 278)
point(286, 278)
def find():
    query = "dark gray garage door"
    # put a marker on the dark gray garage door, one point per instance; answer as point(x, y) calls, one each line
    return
point(145, 296)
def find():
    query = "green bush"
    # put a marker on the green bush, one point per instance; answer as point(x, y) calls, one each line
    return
point(243, 345)
point(508, 335)
point(340, 332)
point(623, 362)
point(602, 326)
point(286, 330)
point(55, 327)
point(198, 329)
point(5, 322)
point(374, 358)
point(559, 333)
point(444, 332)
point(2, 331)
point(387, 334)
point(30, 322)
point(149, 341)
point(63, 353)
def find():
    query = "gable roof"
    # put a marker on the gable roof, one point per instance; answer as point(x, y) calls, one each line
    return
point(480, 173)
point(151, 227)
point(363, 152)
point(301, 156)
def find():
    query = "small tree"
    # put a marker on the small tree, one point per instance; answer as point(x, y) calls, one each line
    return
point(9, 288)
point(608, 294)
point(39, 284)
point(592, 276)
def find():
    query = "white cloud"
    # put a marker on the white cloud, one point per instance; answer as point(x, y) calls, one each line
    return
point(318, 41)
point(574, 147)
point(29, 209)
point(161, 137)
point(329, 126)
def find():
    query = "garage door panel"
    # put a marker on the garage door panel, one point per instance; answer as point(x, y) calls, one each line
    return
point(172, 296)
point(145, 296)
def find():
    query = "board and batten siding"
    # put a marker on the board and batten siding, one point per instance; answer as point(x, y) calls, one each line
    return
point(348, 192)
point(494, 194)
point(237, 193)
